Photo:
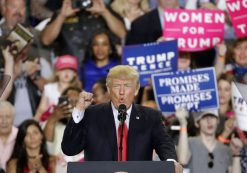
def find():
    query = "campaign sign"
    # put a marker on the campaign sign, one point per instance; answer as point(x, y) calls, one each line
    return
point(194, 90)
point(238, 12)
point(151, 58)
point(195, 30)
point(239, 104)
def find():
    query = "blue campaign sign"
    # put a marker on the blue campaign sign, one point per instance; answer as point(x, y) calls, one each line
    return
point(193, 89)
point(151, 58)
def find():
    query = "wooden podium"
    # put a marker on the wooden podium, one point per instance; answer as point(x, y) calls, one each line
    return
point(121, 167)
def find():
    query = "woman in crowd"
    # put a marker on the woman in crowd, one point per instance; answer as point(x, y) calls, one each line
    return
point(226, 114)
point(30, 154)
point(237, 64)
point(66, 75)
point(55, 125)
point(101, 56)
point(236, 60)
point(130, 9)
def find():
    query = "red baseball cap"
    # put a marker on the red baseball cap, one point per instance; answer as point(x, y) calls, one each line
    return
point(66, 61)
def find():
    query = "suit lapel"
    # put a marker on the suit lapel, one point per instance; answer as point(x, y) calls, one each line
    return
point(156, 29)
point(111, 129)
point(135, 123)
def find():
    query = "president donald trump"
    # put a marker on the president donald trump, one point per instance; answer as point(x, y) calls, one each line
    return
point(96, 129)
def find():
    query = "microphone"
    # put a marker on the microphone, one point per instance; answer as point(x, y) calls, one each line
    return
point(122, 113)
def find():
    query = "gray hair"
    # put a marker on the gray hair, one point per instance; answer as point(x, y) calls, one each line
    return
point(4, 103)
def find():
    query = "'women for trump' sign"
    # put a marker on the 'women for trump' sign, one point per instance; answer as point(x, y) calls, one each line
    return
point(195, 30)
point(238, 12)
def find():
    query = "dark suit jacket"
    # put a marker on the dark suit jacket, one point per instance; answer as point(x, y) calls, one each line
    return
point(96, 135)
point(144, 29)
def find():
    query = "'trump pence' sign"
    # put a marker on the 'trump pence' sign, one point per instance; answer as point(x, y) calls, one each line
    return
point(195, 30)
point(193, 90)
point(151, 58)
point(238, 12)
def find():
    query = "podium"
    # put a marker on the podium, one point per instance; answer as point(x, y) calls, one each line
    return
point(121, 167)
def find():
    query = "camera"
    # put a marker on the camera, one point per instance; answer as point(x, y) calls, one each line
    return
point(17, 40)
point(82, 4)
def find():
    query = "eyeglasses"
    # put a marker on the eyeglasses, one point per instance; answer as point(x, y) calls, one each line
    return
point(211, 160)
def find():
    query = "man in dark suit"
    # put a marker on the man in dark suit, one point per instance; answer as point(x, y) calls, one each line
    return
point(94, 128)
point(148, 28)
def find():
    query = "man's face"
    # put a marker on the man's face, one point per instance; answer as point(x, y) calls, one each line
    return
point(15, 12)
point(208, 124)
point(168, 3)
point(122, 91)
point(6, 121)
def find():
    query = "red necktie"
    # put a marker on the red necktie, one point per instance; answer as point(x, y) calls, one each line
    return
point(124, 142)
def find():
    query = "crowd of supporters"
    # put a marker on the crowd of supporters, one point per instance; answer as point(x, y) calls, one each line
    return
point(73, 49)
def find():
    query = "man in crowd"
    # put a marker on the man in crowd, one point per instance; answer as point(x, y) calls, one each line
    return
point(205, 153)
point(28, 76)
point(148, 28)
point(7, 132)
point(72, 27)
point(93, 128)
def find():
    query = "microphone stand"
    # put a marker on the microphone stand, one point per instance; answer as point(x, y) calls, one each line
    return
point(121, 118)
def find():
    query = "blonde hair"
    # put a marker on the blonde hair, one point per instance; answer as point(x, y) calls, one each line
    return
point(123, 72)
point(120, 6)
point(6, 104)
point(75, 82)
